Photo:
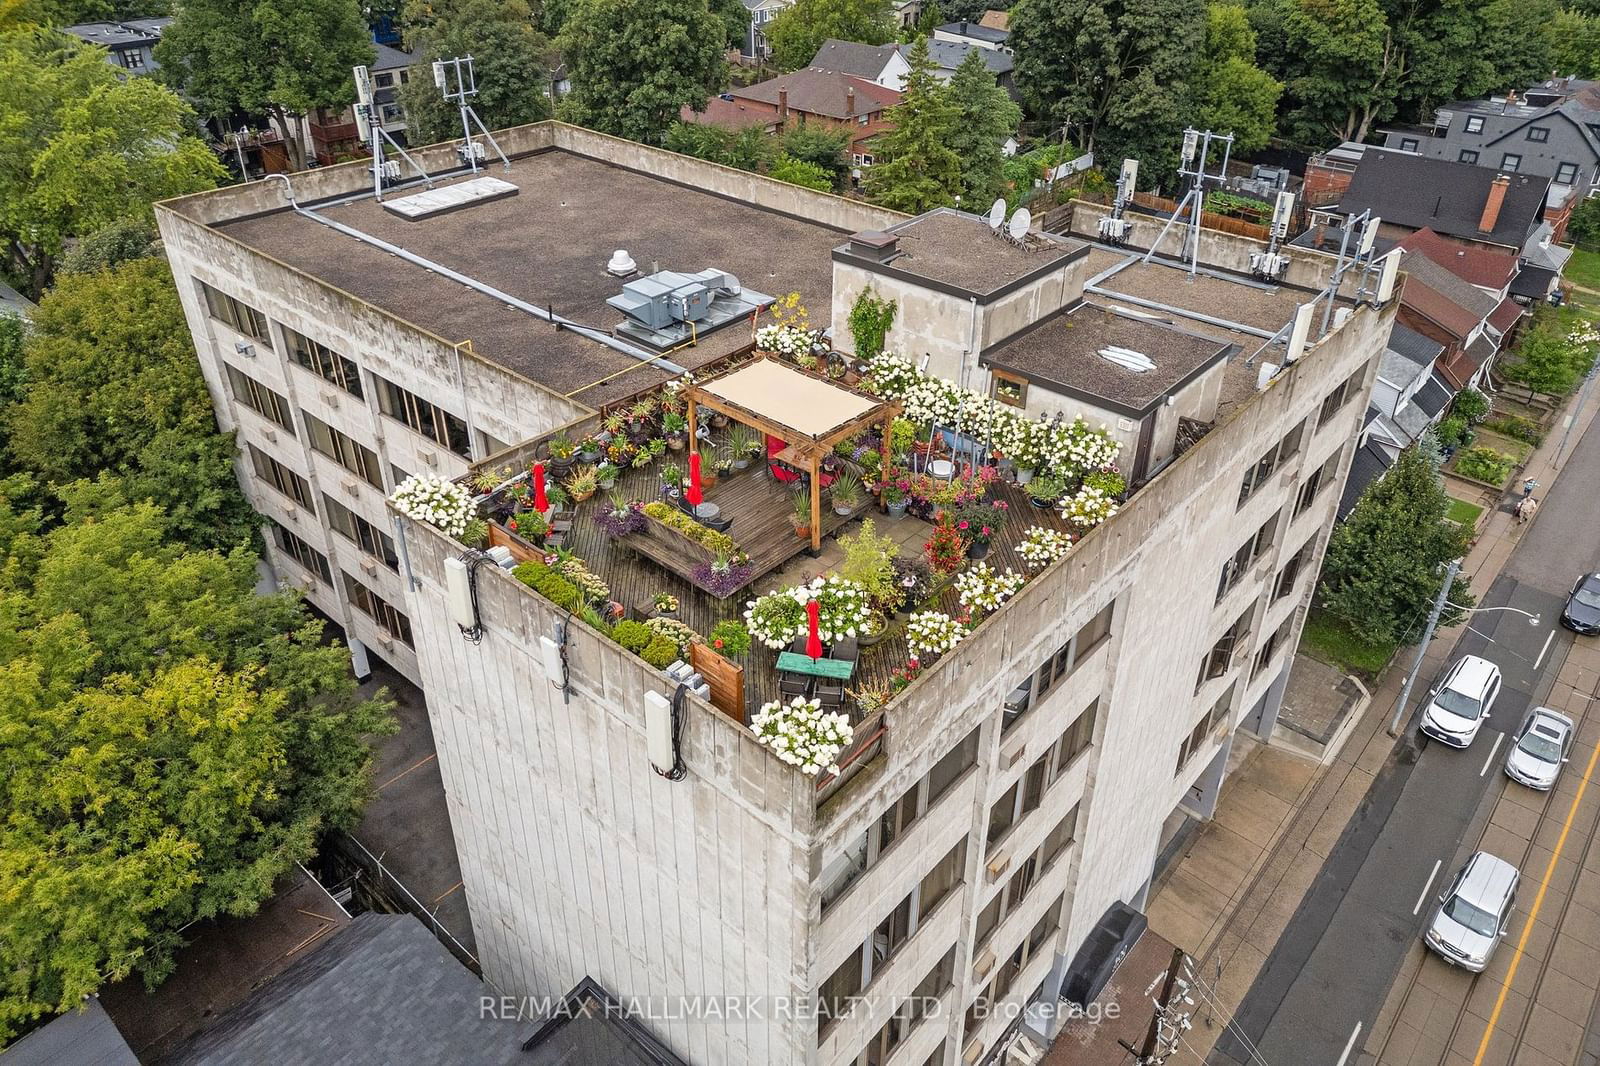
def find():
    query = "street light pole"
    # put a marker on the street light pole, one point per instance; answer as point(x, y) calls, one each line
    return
point(1427, 636)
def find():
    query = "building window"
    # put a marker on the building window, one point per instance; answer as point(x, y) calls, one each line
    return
point(1238, 564)
point(1008, 388)
point(282, 478)
point(1262, 470)
point(1269, 647)
point(363, 534)
point(1219, 659)
point(356, 458)
point(383, 79)
point(1026, 952)
point(1567, 174)
point(1468, 156)
point(1510, 162)
point(323, 361)
point(1538, 134)
point(1474, 124)
point(375, 607)
point(1063, 661)
point(1291, 570)
point(1346, 389)
point(1204, 728)
point(428, 419)
point(237, 316)
point(1320, 478)
point(1408, 144)
point(1056, 841)
point(1075, 741)
point(909, 1013)
point(866, 159)
point(943, 877)
point(260, 399)
point(133, 59)
point(310, 560)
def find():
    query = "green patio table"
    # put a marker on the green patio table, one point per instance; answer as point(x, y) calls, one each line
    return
point(836, 669)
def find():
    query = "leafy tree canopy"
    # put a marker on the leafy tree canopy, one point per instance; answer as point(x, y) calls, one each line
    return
point(1385, 561)
point(113, 386)
point(916, 168)
point(81, 148)
point(746, 149)
point(1575, 43)
point(1236, 96)
point(985, 116)
point(73, 12)
point(170, 744)
point(279, 58)
point(635, 66)
point(798, 172)
point(798, 31)
point(510, 62)
point(820, 144)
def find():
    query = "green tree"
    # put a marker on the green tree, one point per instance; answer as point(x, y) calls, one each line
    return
point(798, 31)
point(81, 147)
point(170, 744)
point(1385, 561)
point(1574, 39)
point(798, 172)
point(509, 62)
point(745, 149)
point(985, 116)
point(635, 66)
point(279, 58)
point(1583, 228)
point(735, 17)
point(1235, 95)
point(72, 12)
point(1116, 73)
point(819, 144)
point(1345, 71)
point(1545, 360)
point(916, 169)
point(930, 19)
point(113, 387)
point(111, 245)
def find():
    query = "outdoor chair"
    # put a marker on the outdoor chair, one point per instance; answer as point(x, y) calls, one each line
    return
point(847, 650)
point(829, 693)
point(794, 685)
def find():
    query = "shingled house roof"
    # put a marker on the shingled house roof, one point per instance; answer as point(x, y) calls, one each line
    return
point(1448, 197)
point(1442, 297)
point(1477, 263)
point(821, 92)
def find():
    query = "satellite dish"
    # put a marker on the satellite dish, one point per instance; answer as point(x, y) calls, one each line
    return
point(1021, 222)
point(997, 214)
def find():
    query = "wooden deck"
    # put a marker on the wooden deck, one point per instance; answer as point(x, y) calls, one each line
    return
point(760, 508)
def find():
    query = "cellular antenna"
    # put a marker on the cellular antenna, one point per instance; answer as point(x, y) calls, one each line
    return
point(369, 126)
point(1195, 155)
point(458, 84)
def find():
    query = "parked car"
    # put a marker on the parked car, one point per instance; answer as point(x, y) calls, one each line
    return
point(1474, 910)
point(1461, 702)
point(1582, 612)
point(1541, 747)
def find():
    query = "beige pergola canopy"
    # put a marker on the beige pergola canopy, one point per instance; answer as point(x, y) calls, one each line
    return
point(810, 413)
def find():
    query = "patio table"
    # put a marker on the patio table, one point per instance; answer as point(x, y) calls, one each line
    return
point(836, 669)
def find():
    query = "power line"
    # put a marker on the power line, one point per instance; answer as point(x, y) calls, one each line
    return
point(1228, 1021)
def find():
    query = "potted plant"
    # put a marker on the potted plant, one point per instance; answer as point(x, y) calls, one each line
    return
point(914, 579)
point(873, 630)
point(846, 494)
point(676, 429)
point(589, 449)
point(671, 479)
point(486, 481)
point(639, 420)
point(723, 465)
point(719, 420)
point(802, 515)
point(978, 523)
point(895, 498)
point(730, 637)
point(742, 445)
point(613, 424)
point(664, 604)
point(605, 476)
point(708, 472)
point(619, 517)
point(1044, 491)
point(562, 455)
point(583, 483)
point(517, 493)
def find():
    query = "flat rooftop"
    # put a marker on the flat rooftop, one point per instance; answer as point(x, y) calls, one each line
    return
point(1239, 300)
point(549, 245)
point(954, 248)
point(1065, 349)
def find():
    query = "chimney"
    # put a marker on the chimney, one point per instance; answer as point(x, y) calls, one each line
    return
point(963, 27)
point(1491, 206)
point(849, 101)
point(783, 106)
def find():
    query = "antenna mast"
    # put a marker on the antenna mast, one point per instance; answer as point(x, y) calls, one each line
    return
point(465, 87)
point(369, 126)
point(1363, 258)
point(1193, 158)
point(1114, 228)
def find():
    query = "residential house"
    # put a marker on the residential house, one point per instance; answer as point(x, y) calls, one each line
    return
point(1408, 397)
point(888, 64)
point(1455, 200)
point(730, 114)
point(974, 33)
point(85, 1036)
point(1328, 173)
point(837, 100)
point(755, 46)
point(129, 44)
point(1451, 311)
point(1543, 261)
point(907, 13)
point(947, 56)
point(1552, 130)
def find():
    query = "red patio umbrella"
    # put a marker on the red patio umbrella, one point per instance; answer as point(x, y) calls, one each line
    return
point(694, 495)
point(540, 502)
point(813, 637)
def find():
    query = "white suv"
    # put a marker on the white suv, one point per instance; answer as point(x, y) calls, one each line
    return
point(1460, 703)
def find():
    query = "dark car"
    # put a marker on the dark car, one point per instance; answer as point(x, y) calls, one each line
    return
point(1582, 612)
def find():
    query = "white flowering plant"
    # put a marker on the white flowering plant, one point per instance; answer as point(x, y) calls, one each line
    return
point(801, 734)
point(1040, 546)
point(981, 589)
point(786, 340)
point(1088, 507)
point(931, 633)
point(843, 608)
point(434, 500)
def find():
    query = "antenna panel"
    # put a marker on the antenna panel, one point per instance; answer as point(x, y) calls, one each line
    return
point(363, 85)
point(1130, 176)
point(438, 74)
point(363, 121)
point(1386, 280)
point(1191, 144)
point(1282, 212)
point(1021, 222)
point(1301, 331)
point(997, 214)
point(1369, 234)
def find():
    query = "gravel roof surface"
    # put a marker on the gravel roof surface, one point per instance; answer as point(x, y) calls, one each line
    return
point(958, 249)
point(1235, 301)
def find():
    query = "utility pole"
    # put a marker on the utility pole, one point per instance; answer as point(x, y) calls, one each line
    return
point(1161, 1039)
point(1427, 636)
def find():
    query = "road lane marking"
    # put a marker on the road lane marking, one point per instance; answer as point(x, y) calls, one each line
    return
point(1548, 638)
point(1498, 737)
point(1533, 915)
point(1431, 875)
point(1349, 1045)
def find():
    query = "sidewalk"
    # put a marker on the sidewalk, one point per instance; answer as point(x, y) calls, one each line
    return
point(1230, 895)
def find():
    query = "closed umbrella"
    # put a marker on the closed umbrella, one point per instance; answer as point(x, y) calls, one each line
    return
point(813, 636)
point(694, 495)
point(541, 503)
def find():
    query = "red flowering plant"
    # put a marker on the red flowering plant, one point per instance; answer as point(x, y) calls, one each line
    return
point(979, 521)
point(904, 675)
point(947, 547)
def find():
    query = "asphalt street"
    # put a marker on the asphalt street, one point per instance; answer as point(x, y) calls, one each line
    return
point(1333, 967)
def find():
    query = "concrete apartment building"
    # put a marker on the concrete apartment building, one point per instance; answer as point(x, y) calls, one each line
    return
point(1005, 801)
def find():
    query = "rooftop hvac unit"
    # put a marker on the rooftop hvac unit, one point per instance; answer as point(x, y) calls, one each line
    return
point(661, 299)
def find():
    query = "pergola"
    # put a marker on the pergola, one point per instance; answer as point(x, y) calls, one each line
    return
point(809, 413)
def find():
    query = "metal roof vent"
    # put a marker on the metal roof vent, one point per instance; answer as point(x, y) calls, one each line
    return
point(1128, 359)
point(875, 245)
point(621, 264)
